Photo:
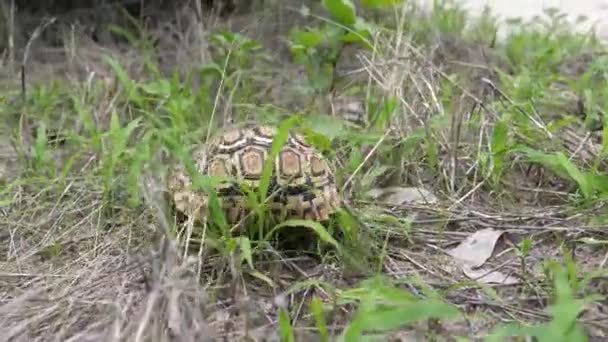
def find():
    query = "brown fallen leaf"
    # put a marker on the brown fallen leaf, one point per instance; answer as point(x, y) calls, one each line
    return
point(474, 251)
point(487, 277)
point(477, 248)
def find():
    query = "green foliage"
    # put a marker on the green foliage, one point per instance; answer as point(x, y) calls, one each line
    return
point(384, 308)
point(449, 18)
point(316, 307)
point(318, 49)
point(166, 113)
point(499, 147)
point(316, 227)
point(341, 10)
point(285, 327)
point(379, 4)
point(235, 65)
point(564, 312)
point(542, 43)
point(588, 182)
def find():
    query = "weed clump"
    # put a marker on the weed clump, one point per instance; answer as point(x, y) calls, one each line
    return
point(504, 134)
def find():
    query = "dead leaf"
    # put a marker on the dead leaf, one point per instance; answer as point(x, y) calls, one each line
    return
point(487, 277)
point(474, 251)
point(477, 248)
point(396, 195)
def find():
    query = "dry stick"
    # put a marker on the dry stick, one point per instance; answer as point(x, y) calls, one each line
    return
point(23, 119)
point(477, 101)
point(26, 52)
point(217, 95)
point(603, 263)
point(455, 127)
point(581, 145)
point(448, 79)
point(11, 37)
point(201, 30)
point(479, 151)
point(475, 98)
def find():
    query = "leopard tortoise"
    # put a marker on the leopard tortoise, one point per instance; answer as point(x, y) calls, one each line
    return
point(302, 185)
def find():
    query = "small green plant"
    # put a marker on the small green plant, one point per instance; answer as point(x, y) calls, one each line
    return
point(237, 60)
point(384, 308)
point(285, 326)
point(564, 312)
point(590, 183)
point(499, 147)
point(318, 49)
point(523, 252)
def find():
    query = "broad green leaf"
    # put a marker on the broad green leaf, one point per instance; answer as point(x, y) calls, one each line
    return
point(511, 330)
point(379, 290)
point(316, 306)
point(41, 143)
point(160, 88)
point(348, 223)
point(526, 246)
point(130, 37)
point(124, 79)
point(317, 140)
point(386, 318)
point(317, 227)
point(86, 116)
point(326, 125)
point(285, 327)
point(542, 158)
point(212, 69)
point(499, 137)
point(215, 210)
point(359, 33)
point(380, 3)
point(308, 39)
point(342, 10)
point(387, 111)
point(575, 173)
point(562, 166)
point(321, 76)
point(245, 244)
point(142, 154)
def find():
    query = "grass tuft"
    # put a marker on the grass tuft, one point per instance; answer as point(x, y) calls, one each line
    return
point(506, 131)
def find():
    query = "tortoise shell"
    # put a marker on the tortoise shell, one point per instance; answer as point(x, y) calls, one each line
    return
point(302, 185)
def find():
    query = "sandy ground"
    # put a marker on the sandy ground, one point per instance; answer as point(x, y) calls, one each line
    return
point(596, 11)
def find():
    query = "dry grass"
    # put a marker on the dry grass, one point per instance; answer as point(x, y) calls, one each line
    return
point(77, 267)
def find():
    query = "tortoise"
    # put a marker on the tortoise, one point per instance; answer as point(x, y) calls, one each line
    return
point(302, 185)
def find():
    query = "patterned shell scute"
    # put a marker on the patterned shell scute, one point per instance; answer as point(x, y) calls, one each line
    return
point(302, 185)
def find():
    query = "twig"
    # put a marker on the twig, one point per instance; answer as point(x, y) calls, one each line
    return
point(45, 23)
